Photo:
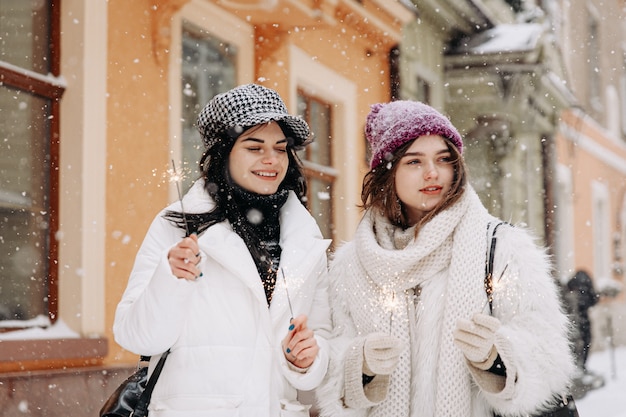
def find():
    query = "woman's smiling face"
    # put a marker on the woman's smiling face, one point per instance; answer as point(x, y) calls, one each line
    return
point(258, 161)
point(424, 176)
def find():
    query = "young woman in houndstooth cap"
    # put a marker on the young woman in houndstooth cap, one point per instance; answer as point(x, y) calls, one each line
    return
point(235, 286)
point(413, 332)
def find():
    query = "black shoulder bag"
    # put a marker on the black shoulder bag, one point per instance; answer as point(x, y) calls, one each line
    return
point(564, 405)
point(132, 397)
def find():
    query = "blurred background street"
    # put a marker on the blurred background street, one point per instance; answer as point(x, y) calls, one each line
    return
point(608, 400)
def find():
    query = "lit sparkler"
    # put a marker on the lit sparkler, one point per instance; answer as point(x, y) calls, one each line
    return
point(176, 178)
point(493, 284)
point(390, 304)
point(174, 175)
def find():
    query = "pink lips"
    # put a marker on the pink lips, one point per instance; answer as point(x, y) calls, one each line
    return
point(432, 190)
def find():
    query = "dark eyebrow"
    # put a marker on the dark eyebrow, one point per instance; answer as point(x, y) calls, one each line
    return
point(251, 139)
point(441, 151)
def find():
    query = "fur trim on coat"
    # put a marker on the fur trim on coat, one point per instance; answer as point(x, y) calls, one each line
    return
point(532, 340)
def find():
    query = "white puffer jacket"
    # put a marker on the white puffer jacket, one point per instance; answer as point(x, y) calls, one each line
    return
point(226, 357)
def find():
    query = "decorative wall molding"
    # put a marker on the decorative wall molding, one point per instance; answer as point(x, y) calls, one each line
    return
point(162, 28)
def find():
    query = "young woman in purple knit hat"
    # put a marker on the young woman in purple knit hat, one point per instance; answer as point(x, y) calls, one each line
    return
point(414, 333)
point(235, 285)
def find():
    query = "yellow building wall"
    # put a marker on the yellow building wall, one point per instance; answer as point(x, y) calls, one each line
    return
point(138, 143)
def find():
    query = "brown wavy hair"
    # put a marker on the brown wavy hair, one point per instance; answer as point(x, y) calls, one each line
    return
point(379, 191)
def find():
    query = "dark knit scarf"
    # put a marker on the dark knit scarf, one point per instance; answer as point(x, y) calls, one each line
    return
point(255, 218)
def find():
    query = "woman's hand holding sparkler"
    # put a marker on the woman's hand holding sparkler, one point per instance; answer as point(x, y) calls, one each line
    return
point(185, 257)
point(476, 338)
point(299, 346)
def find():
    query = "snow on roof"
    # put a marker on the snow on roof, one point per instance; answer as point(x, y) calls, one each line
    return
point(503, 38)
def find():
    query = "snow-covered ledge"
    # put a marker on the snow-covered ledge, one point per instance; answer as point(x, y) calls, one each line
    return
point(44, 342)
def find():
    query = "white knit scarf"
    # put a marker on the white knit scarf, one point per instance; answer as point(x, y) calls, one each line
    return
point(453, 241)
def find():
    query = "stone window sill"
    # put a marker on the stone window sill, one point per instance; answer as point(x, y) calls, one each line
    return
point(19, 355)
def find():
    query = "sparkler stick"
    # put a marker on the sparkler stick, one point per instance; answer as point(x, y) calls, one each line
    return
point(176, 179)
point(490, 295)
point(393, 299)
point(282, 271)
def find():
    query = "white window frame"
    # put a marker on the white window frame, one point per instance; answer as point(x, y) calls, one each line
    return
point(220, 24)
point(593, 55)
point(622, 96)
point(431, 78)
point(602, 245)
point(566, 250)
point(613, 112)
point(317, 80)
point(82, 183)
point(620, 251)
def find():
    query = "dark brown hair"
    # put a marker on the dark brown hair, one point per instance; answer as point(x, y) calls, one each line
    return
point(379, 191)
point(215, 171)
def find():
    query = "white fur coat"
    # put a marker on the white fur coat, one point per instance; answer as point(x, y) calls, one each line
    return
point(417, 294)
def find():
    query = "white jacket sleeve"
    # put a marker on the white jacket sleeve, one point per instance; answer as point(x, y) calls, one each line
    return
point(533, 341)
point(148, 318)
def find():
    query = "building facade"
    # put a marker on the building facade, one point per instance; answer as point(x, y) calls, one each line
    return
point(106, 98)
point(591, 157)
point(93, 116)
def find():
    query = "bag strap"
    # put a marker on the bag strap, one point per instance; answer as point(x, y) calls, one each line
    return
point(141, 409)
point(491, 245)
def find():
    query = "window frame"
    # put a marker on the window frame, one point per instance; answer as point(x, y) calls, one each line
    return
point(313, 170)
point(313, 77)
point(424, 78)
point(191, 146)
point(21, 354)
point(221, 25)
point(602, 245)
point(622, 98)
point(593, 58)
point(48, 87)
point(565, 227)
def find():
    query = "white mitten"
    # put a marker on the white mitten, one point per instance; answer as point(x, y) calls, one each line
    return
point(476, 337)
point(381, 354)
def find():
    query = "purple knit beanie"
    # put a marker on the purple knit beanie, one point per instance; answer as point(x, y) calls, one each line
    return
point(391, 125)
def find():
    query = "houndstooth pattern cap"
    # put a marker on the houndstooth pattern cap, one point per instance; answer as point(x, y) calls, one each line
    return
point(245, 106)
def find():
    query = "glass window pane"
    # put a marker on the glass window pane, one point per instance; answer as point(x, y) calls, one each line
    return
point(317, 157)
point(303, 111)
point(320, 205)
point(423, 90)
point(24, 204)
point(319, 150)
point(25, 34)
point(208, 68)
